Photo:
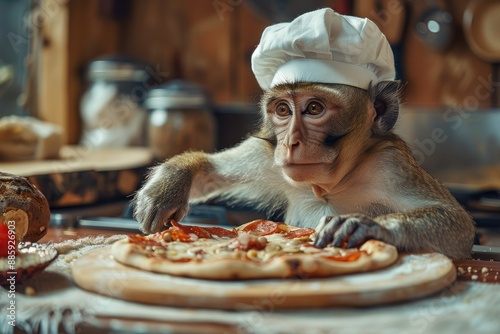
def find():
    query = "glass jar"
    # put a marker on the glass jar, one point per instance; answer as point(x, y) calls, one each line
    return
point(111, 109)
point(180, 119)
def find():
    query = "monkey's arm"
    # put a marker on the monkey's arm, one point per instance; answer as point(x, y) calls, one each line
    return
point(242, 172)
point(447, 229)
point(442, 228)
point(419, 213)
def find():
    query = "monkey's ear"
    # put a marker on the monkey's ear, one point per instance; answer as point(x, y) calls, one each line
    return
point(386, 97)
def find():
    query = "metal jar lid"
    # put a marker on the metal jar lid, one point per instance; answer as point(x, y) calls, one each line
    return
point(177, 94)
point(117, 68)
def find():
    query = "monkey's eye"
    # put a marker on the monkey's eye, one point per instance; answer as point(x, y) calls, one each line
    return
point(314, 108)
point(283, 110)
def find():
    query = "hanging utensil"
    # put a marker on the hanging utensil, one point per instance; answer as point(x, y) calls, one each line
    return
point(435, 27)
point(482, 31)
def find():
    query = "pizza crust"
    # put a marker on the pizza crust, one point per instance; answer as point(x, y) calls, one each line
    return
point(375, 255)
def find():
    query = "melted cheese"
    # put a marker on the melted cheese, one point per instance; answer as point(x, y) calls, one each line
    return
point(241, 247)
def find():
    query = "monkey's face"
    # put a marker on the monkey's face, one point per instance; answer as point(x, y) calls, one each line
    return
point(315, 127)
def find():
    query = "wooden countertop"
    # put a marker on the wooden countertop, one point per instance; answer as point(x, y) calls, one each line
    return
point(58, 234)
point(468, 270)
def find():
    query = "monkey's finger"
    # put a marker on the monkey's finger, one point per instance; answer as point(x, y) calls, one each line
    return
point(322, 223)
point(359, 237)
point(163, 216)
point(345, 231)
point(146, 219)
point(326, 229)
point(370, 231)
point(159, 221)
point(178, 214)
point(149, 217)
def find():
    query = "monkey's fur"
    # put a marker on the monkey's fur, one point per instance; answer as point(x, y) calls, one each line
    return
point(325, 157)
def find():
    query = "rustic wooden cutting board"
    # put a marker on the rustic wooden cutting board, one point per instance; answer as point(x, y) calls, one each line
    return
point(85, 175)
point(413, 276)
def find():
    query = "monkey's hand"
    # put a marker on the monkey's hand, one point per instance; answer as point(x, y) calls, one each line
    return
point(355, 228)
point(163, 197)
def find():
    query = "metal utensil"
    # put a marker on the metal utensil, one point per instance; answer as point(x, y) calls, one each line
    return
point(435, 27)
point(482, 31)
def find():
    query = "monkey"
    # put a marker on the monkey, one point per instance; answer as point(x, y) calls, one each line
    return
point(325, 157)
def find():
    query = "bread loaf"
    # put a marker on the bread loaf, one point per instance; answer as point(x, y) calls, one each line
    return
point(23, 203)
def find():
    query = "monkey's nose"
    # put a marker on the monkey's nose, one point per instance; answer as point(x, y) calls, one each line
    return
point(294, 151)
point(292, 139)
point(291, 144)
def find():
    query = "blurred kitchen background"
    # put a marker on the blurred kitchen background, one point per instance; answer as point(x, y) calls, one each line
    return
point(93, 92)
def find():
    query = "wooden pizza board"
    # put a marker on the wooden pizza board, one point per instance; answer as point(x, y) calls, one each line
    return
point(412, 276)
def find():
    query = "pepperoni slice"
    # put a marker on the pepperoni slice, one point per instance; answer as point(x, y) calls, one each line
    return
point(205, 232)
point(141, 240)
point(200, 232)
point(188, 229)
point(179, 234)
point(221, 232)
point(301, 232)
point(345, 258)
point(263, 227)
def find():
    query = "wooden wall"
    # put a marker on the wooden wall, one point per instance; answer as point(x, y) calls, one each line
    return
point(211, 45)
point(436, 78)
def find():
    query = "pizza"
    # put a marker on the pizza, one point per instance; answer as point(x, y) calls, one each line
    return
point(259, 249)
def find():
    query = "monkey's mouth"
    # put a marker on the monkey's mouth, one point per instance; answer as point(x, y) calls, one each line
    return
point(300, 164)
point(303, 171)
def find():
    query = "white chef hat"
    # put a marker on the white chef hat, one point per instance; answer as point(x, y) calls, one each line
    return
point(323, 46)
